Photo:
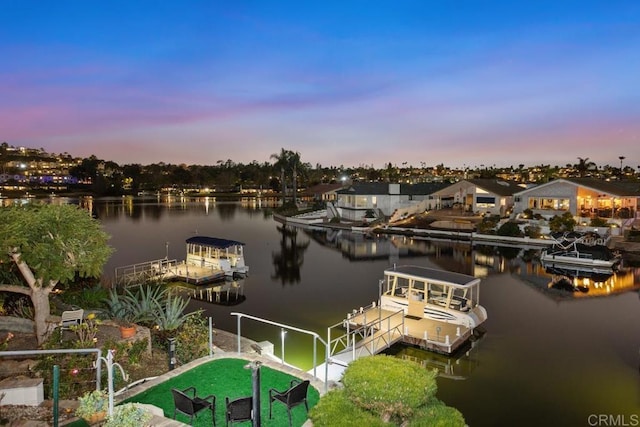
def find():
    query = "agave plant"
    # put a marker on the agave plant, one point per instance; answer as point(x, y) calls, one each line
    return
point(171, 315)
point(120, 309)
point(146, 301)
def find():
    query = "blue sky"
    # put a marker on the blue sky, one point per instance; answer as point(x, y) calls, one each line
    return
point(464, 83)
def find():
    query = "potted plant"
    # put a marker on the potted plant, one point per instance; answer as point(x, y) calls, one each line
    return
point(123, 313)
point(93, 406)
point(129, 415)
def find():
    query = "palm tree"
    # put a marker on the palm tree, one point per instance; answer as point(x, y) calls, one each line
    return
point(289, 163)
point(584, 165)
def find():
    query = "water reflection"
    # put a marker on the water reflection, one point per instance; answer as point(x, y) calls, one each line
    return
point(480, 261)
point(288, 261)
point(154, 209)
point(579, 282)
point(458, 366)
point(229, 292)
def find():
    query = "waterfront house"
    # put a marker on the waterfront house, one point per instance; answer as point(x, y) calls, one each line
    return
point(323, 192)
point(483, 196)
point(584, 198)
point(380, 199)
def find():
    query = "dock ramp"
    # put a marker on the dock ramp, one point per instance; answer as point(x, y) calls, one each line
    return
point(372, 329)
point(363, 333)
point(135, 274)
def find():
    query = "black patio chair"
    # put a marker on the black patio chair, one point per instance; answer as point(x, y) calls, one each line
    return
point(240, 409)
point(188, 403)
point(294, 396)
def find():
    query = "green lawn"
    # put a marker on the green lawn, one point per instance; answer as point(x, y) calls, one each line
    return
point(228, 378)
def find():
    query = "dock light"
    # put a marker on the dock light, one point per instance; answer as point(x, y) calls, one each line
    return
point(172, 353)
point(283, 333)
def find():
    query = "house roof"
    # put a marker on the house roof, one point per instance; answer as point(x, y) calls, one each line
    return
point(422, 188)
point(378, 188)
point(496, 186)
point(616, 188)
point(323, 188)
point(366, 188)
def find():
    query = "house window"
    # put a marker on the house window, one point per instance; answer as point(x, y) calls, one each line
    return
point(361, 201)
point(485, 202)
point(374, 201)
point(555, 204)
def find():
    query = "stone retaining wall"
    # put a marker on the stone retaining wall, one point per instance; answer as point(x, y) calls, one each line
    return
point(16, 324)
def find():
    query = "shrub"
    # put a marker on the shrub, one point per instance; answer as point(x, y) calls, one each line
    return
point(389, 387)
point(633, 235)
point(91, 297)
point(532, 231)
point(384, 390)
point(336, 410)
point(128, 415)
point(92, 402)
point(438, 415)
point(287, 209)
point(192, 339)
point(86, 331)
point(77, 372)
point(562, 223)
point(509, 228)
point(488, 224)
point(598, 222)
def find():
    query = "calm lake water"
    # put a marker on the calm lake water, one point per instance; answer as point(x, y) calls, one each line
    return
point(547, 357)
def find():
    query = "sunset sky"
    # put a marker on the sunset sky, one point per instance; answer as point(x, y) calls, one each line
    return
point(342, 82)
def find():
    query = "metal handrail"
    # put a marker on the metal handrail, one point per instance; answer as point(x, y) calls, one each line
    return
point(315, 336)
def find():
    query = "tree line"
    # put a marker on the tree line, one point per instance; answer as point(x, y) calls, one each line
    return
point(285, 171)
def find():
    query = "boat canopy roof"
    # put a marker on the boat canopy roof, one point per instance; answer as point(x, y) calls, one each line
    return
point(433, 275)
point(214, 242)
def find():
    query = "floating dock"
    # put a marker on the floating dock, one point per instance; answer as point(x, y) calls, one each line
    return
point(164, 269)
point(429, 334)
point(370, 330)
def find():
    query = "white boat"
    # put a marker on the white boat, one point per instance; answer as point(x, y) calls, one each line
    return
point(572, 250)
point(434, 294)
point(217, 254)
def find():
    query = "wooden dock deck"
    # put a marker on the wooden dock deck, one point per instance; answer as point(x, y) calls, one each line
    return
point(195, 274)
point(370, 330)
point(433, 335)
point(163, 269)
